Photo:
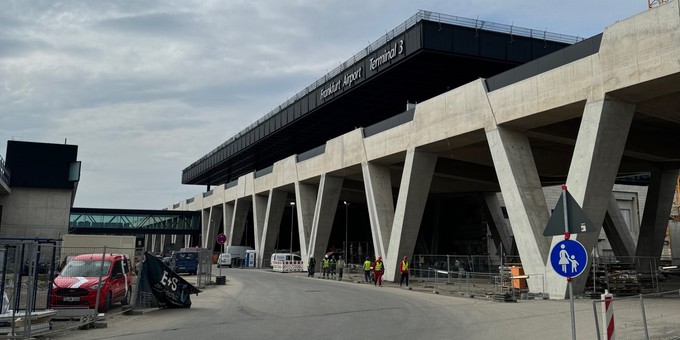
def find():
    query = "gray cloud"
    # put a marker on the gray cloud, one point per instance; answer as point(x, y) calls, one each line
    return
point(145, 88)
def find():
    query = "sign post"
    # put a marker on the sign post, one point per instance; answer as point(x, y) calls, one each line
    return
point(221, 239)
point(569, 257)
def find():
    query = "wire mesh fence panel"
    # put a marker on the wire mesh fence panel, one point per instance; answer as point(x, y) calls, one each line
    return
point(644, 316)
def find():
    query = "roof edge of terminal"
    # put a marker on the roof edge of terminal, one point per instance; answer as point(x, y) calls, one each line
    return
point(421, 15)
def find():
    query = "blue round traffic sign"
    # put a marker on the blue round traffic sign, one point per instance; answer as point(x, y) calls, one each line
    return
point(221, 238)
point(569, 258)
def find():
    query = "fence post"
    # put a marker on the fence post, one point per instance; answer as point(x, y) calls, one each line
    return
point(99, 285)
point(644, 317)
point(608, 314)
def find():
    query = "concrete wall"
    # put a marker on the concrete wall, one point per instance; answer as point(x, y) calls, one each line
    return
point(35, 213)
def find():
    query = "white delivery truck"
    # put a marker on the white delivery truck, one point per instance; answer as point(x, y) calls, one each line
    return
point(238, 254)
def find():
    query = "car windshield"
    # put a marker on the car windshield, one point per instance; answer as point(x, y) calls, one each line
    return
point(87, 268)
point(186, 256)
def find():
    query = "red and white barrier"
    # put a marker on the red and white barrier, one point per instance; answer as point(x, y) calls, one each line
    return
point(608, 315)
point(288, 266)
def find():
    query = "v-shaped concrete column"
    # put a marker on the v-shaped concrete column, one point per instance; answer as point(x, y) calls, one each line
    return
point(378, 186)
point(656, 216)
point(594, 165)
point(322, 204)
point(267, 212)
point(241, 209)
point(499, 229)
point(210, 225)
point(228, 209)
point(524, 199)
point(617, 230)
point(413, 192)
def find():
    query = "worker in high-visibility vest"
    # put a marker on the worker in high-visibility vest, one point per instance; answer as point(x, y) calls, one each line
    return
point(378, 271)
point(367, 270)
point(403, 269)
point(326, 267)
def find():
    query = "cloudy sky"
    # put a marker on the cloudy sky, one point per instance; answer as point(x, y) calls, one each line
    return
point(145, 88)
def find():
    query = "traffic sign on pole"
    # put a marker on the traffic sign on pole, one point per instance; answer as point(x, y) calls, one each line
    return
point(221, 238)
point(578, 221)
point(569, 258)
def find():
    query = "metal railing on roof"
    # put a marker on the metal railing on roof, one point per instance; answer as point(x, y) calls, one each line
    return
point(412, 21)
point(4, 172)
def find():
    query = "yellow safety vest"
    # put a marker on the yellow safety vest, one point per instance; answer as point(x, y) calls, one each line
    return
point(367, 265)
point(325, 263)
point(404, 265)
point(378, 266)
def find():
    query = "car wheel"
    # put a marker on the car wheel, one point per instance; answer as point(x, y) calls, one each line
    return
point(107, 304)
point(127, 298)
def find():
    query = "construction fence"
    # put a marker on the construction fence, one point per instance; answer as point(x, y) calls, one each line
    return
point(643, 316)
point(47, 288)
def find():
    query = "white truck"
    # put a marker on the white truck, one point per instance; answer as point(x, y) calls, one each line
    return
point(238, 254)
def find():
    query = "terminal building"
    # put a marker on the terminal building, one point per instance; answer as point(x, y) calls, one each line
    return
point(453, 136)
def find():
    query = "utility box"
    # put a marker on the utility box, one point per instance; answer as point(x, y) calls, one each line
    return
point(251, 258)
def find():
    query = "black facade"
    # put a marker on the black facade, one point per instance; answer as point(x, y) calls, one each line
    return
point(41, 165)
point(426, 56)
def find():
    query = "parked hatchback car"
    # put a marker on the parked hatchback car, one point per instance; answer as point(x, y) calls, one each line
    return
point(79, 280)
point(224, 260)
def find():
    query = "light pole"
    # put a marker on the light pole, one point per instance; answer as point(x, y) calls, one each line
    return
point(292, 214)
point(346, 223)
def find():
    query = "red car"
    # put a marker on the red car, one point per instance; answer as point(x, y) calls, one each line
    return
point(77, 284)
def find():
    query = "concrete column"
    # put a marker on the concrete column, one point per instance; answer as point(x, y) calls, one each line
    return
point(674, 235)
point(241, 209)
point(378, 185)
point(499, 229)
point(324, 214)
point(228, 209)
point(413, 192)
point(187, 240)
point(205, 227)
point(162, 243)
point(210, 226)
point(597, 154)
point(147, 242)
point(259, 213)
point(306, 195)
point(524, 199)
point(656, 216)
point(617, 230)
point(276, 203)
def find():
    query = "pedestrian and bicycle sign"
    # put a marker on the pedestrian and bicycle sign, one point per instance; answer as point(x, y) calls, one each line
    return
point(569, 258)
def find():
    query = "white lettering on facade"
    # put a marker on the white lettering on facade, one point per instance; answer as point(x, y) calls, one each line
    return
point(390, 53)
point(348, 80)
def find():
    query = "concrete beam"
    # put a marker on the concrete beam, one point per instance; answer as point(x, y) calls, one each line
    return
point(324, 214)
point(413, 192)
point(524, 199)
point(228, 209)
point(241, 209)
point(305, 197)
point(595, 162)
point(378, 187)
point(276, 203)
point(656, 214)
point(210, 226)
point(500, 231)
point(617, 231)
point(259, 213)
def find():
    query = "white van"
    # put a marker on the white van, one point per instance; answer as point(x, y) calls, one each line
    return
point(224, 260)
point(283, 257)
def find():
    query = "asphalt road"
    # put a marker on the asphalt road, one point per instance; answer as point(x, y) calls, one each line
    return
point(257, 304)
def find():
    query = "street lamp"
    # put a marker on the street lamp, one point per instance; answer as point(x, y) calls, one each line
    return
point(346, 223)
point(292, 214)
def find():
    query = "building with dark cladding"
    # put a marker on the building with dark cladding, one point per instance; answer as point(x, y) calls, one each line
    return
point(449, 136)
point(427, 55)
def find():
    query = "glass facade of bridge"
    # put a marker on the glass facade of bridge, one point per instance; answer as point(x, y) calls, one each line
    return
point(131, 222)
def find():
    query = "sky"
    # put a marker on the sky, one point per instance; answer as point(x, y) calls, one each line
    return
point(145, 88)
